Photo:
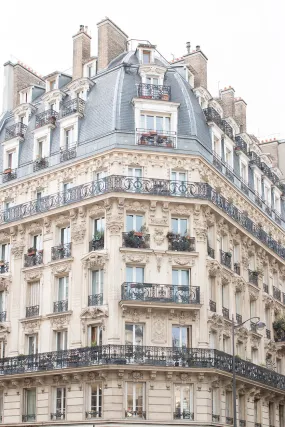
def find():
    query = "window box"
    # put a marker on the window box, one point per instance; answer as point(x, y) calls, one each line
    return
point(138, 233)
point(7, 170)
point(153, 132)
point(238, 150)
point(31, 251)
point(165, 97)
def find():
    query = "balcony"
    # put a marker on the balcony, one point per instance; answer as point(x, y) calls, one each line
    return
point(72, 106)
point(166, 139)
point(135, 414)
point(28, 418)
point(158, 92)
point(237, 268)
point(268, 172)
point(244, 186)
point(4, 267)
point(97, 243)
point(177, 242)
point(211, 252)
point(33, 257)
point(242, 423)
point(253, 277)
point(265, 288)
point(276, 293)
point(9, 174)
point(229, 172)
point(228, 130)
point(213, 116)
point(57, 416)
point(40, 164)
point(226, 259)
point(241, 145)
point(66, 154)
point(215, 418)
point(152, 292)
point(32, 311)
point(47, 117)
point(213, 306)
point(136, 239)
point(3, 316)
point(238, 319)
point(268, 334)
point(254, 159)
point(60, 306)
point(95, 299)
point(61, 251)
point(17, 130)
point(229, 420)
point(217, 162)
point(226, 313)
point(93, 414)
point(184, 415)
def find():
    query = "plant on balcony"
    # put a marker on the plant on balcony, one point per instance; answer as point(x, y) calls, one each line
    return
point(179, 242)
point(93, 343)
point(279, 329)
point(31, 251)
point(136, 239)
point(98, 236)
point(165, 97)
point(228, 254)
point(2, 262)
point(7, 170)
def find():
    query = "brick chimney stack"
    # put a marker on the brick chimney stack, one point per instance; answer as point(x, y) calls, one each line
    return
point(240, 113)
point(198, 61)
point(227, 96)
point(81, 51)
point(112, 41)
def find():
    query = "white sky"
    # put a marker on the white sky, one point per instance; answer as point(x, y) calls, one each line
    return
point(243, 40)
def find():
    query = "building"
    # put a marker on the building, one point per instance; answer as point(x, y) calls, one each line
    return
point(139, 217)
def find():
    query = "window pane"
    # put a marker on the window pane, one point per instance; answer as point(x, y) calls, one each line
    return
point(150, 122)
point(139, 222)
point(129, 274)
point(175, 277)
point(139, 274)
point(159, 123)
point(175, 336)
point(174, 225)
point(130, 223)
point(183, 226)
point(129, 334)
point(167, 124)
point(138, 335)
point(185, 277)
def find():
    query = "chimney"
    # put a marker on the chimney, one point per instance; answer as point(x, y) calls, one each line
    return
point(81, 51)
point(227, 96)
point(8, 91)
point(24, 77)
point(198, 61)
point(188, 47)
point(240, 113)
point(112, 41)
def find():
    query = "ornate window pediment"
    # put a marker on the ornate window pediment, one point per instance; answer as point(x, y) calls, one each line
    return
point(84, 84)
point(95, 260)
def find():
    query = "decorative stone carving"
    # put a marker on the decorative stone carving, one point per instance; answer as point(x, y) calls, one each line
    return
point(136, 206)
point(31, 326)
point(33, 275)
point(59, 322)
point(185, 378)
point(135, 257)
point(158, 328)
point(114, 224)
point(180, 210)
point(61, 268)
point(35, 227)
point(5, 283)
point(158, 261)
point(17, 250)
point(47, 224)
point(182, 260)
point(133, 314)
point(78, 233)
point(4, 237)
point(158, 236)
point(96, 211)
point(95, 260)
point(183, 317)
point(62, 220)
point(136, 376)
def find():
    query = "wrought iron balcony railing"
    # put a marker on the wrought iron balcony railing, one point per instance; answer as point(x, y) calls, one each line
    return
point(30, 260)
point(135, 414)
point(96, 244)
point(242, 423)
point(237, 268)
point(217, 161)
point(159, 187)
point(226, 259)
point(238, 319)
point(149, 91)
point(183, 415)
point(241, 145)
point(68, 153)
point(29, 417)
point(276, 293)
point(93, 414)
point(268, 334)
point(265, 288)
point(228, 130)
point(16, 130)
point(4, 267)
point(134, 291)
point(213, 116)
point(254, 159)
point(135, 239)
point(253, 277)
point(72, 106)
point(143, 355)
point(211, 252)
point(229, 420)
point(3, 316)
point(156, 138)
point(178, 242)
point(55, 416)
point(215, 418)
point(61, 251)
point(32, 311)
point(226, 313)
point(244, 186)
point(40, 164)
point(9, 174)
point(213, 306)
point(229, 172)
point(60, 306)
point(95, 299)
point(47, 117)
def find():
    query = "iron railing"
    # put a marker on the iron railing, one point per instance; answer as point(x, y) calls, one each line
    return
point(265, 288)
point(226, 313)
point(242, 423)
point(60, 306)
point(159, 187)
point(28, 417)
point(96, 244)
point(226, 259)
point(3, 316)
point(47, 117)
point(135, 239)
point(237, 268)
point(239, 319)
point(69, 153)
point(135, 291)
point(183, 415)
point(40, 164)
point(213, 116)
point(95, 299)
point(229, 420)
point(176, 242)
point(72, 106)
point(244, 186)
point(150, 91)
point(156, 138)
point(215, 418)
point(257, 425)
point(228, 130)
point(143, 355)
point(268, 334)
point(254, 159)
point(93, 414)
point(135, 414)
point(213, 306)
point(9, 174)
point(211, 252)
point(4, 267)
point(16, 130)
point(283, 295)
point(241, 145)
point(253, 277)
point(276, 293)
point(32, 260)
point(55, 416)
point(61, 251)
point(32, 311)
point(217, 161)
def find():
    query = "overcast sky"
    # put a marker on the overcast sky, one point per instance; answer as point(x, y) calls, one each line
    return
point(243, 40)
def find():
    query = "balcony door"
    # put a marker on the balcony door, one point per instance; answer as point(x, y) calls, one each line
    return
point(94, 335)
point(32, 344)
point(181, 336)
point(61, 340)
point(134, 223)
point(97, 282)
point(181, 285)
point(134, 334)
point(63, 288)
point(179, 226)
point(65, 235)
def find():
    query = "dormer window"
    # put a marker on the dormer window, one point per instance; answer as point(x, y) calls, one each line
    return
point(146, 57)
point(156, 123)
point(52, 84)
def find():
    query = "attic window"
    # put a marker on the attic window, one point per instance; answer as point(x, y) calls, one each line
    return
point(146, 57)
point(52, 84)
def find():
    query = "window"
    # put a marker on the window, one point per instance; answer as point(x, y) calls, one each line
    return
point(32, 344)
point(65, 235)
point(184, 401)
point(180, 184)
point(135, 172)
point(254, 355)
point(94, 335)
point(135, 400)
point(68, 138)
point(33, 294)
point(271, 414)
point(99, 226)
point(225, 296)
point(243, 171)
point(212, 288)
point(217, 145)
point(236, 254)
point(241, 407)
point(281, 415)
point(134, 223)
point(181, 336)
point(215, 404)
point(276, 203)
point(229, 406)
point(257, 183)
point(97, 281)
point(60, 340)
point(52, 106)
point(152, 80)
point(5, 252)
point(134, 334)
point(226, 344)
point(229, 156)
point(96, 401)
point(59, 404)
point(279, 366)
point(52, 84)
point(62, 294)
point(37, 242)
point(135, 274)
point(11, 160)
point(156, 123)
point(257, 411)
point(213, 339)
point(180, 277)
point(146, 57)
point(252, 308)
point(240, 349)
point(267, 195)
point(99, 175)
point(30, 404)
point(1, 405)
point(179, 225)
point(2, 349)
point(40, 148)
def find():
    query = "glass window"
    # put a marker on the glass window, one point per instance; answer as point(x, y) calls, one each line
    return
point(33, 294)
point(184, 401)
point(215, 402)
point(5, 252)
point(65, 235)
point(37, 242)
point(180, 277)
point(179, 225)
point(135, 172)
point(238, 302)
point(94, 335)
point(146, 56)
point(97, 282)
point(11, 159)
point(32, 344)
point(271, 414)
point(228, 156)
point(68, 138)
point(60, 402)
point(99, 225)
point(281, 415)
point(241, 407)
point(150, 122)
point(213, 339)
point(178, 176)
point(61, 340)
point(30, 403)
point(243, 171)
point(254, 356)
point(96, 401)
point(225, 296)
point(256, 411)
point(135, 400)
point(52, 84)
point(181, 336)
point(63, 288)
point(134, 223)
point(155, 123)
point(279, 366)
point(229, 404)
point(135, 274)
point(2, 349)
point(134, 334)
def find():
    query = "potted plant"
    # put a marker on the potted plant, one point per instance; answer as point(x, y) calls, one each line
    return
point(279, 329)
point(153, 132)
point(94, 343)
point(31, 251)
point(229, 254)
point(2, 262)
point(171, 235)
point(98, 236)
point(165, 97)
point(7, 170)
point(168, 143)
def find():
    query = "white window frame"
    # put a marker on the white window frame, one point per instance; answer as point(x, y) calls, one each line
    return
point(129, 411)
point(61, 340)
point(257, 183)
point(188, 334)
point(215, 401)
point(35, 343)
point(26, 393)
point(98, 408)
point(180, 388)
point(134, 273)
point(62, 400)
point(134, 221)
point(100, 283)
point(99, 334)
point(245, 177)
point(134, 342)
point(11, 146)
point(68, 123)
point(65, 281)
point(178, 219)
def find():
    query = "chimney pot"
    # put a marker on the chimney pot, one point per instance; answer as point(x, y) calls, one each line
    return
point(188, 47)
point(81, 51)
point(81, 28)
point(197, 47)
